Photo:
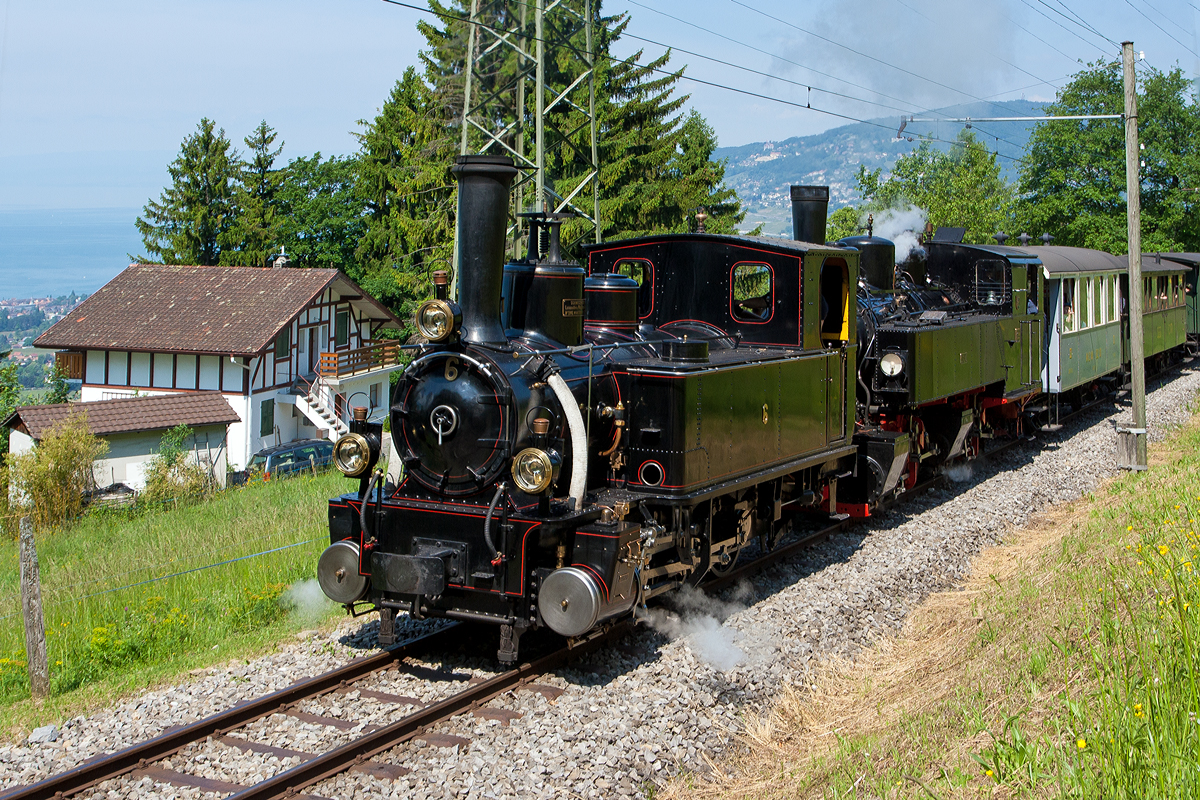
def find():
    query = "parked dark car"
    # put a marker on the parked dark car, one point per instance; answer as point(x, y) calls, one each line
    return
point(286, 459)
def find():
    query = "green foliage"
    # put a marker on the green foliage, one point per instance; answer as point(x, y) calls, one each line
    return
point(404, 178)
point(257, 224)
point(101, 634)
point(842, 223)
point(56, 382)
point(171, 476)
point(322, 212)
point(700, 181)
point(959, 188)
point(192, 218)
point(49, 479)
point(1073, 182)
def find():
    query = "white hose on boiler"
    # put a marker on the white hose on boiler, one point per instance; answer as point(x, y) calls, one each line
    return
point(578, 439)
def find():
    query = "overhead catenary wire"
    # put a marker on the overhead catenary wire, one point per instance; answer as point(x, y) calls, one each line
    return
point(1160, 27)
point(1064, 27)
point(700, 81)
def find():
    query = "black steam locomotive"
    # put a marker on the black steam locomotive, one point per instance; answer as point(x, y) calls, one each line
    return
point(577, 442)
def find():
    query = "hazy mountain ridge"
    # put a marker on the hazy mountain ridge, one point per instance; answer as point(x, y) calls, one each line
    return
point(761, 172)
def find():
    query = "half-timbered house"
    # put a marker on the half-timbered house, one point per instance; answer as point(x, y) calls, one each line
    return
point(292, 350)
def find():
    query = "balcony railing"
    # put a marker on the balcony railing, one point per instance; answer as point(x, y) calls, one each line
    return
point(345, 363)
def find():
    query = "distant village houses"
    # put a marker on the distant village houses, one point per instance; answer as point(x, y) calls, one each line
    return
point(291, 350)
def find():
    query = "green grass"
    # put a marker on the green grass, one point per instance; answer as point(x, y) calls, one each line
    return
point(105, 640)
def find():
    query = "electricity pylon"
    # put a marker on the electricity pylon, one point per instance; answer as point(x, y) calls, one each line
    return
point(532, 64)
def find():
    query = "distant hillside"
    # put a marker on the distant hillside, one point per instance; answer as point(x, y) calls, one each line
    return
point(762, 172)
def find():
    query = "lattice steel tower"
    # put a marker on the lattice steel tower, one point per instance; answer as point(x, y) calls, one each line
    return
point(532, 64)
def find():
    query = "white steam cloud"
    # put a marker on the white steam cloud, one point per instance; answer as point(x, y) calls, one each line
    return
point(306, 600)
point(903, 226)
point(960, 473)
point(697, 619)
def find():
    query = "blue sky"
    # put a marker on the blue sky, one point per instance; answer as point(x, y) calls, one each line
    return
point(96, 97)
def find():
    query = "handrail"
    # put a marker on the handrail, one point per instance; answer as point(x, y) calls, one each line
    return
point(339, 364)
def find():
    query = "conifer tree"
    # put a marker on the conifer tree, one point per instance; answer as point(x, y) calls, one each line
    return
point(405, 181)
point(192, 217)
point(257, 225)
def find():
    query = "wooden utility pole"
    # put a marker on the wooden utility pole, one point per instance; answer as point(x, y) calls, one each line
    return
point(1133, 444)
point(31, 606)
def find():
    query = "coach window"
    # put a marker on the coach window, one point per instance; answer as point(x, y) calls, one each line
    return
point(1162, 292)
point(1068, 301)
point(835, 301)
point(751, 293)
point(1114, 314)
point(1085, 285)
point(1097, 284)
point(642, 273)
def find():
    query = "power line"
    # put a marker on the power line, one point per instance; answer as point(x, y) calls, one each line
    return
point(844, 47)
point(1064, 27)
point(1087, 25)
point(1160, 27)
point(681, 76)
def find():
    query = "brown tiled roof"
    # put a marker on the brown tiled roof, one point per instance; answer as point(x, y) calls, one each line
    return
point(129, 414)
point(225, 310)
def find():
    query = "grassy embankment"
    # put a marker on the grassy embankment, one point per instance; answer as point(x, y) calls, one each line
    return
point(104, 643)
point(1066, 667)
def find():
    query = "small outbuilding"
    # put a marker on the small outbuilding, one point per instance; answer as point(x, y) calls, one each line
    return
point(133, 428)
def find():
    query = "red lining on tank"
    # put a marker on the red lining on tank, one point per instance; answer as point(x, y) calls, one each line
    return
point(597, 574)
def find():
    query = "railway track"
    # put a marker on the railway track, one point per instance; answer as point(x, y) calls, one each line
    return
point(361, 753)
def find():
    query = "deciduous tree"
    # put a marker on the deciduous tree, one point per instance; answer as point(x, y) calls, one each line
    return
point(322, 211)
point(1072, 183)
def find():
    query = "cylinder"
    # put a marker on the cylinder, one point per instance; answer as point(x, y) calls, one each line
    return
point(876, 260)
point(810, 205)
point(483, 186)
point(612, 301)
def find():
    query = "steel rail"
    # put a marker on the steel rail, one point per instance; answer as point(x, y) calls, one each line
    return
point(113, 765)
point(334, 762)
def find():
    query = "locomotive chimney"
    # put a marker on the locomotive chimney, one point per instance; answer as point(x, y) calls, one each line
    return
point(483, 184)
point(810, 205)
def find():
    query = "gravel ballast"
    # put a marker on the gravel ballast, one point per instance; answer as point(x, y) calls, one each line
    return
point(668, 698)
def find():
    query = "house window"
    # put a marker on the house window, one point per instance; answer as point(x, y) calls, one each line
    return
point(751, 294)
point(266, 418)
point(341, 329)
point(374, 393)
point(283, 343)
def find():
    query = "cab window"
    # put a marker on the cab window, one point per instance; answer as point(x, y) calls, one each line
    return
point(751, 293)
point(642, 272)
point(835, 301)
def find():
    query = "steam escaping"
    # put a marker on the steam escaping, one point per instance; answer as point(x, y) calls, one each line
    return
point(960, 473)
point(306, 601)
point(697, 619)
point(903, 226)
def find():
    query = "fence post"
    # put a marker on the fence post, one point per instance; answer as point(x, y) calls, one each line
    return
point(31, 606)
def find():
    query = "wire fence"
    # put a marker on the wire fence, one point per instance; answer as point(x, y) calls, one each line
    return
point(168, 576)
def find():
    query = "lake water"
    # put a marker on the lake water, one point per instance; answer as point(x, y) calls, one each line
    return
point(57, 251)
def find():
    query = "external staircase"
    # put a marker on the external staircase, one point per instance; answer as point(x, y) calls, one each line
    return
point(310, 401)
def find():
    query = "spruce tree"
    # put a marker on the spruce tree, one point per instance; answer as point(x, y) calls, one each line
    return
point(405, 182)
point(192, 217)
point(257, 225)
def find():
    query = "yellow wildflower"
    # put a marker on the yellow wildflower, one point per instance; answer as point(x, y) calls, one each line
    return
point(1081, 743)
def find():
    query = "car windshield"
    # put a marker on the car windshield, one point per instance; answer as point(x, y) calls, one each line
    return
point(258, 462)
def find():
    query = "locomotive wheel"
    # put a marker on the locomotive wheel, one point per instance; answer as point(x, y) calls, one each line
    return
point(721, 570)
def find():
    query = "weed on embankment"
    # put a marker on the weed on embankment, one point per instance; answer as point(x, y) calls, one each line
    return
point(1067, 666)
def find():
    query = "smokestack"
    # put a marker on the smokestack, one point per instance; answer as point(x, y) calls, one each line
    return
point(483, 185)
point(810, 206)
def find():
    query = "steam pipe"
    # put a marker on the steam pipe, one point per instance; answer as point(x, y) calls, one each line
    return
point(578, 439)
point(487, 523)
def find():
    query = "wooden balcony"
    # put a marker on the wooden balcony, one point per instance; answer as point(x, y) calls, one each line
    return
point(70, 363)
point(345, 363)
